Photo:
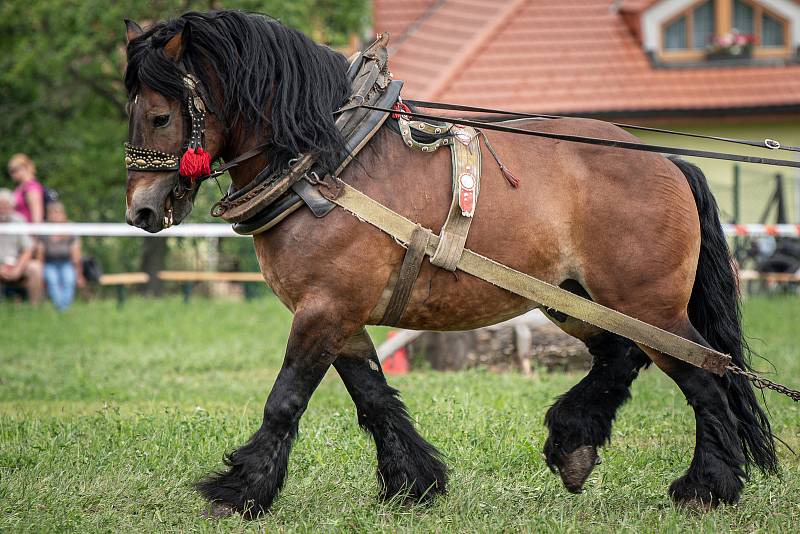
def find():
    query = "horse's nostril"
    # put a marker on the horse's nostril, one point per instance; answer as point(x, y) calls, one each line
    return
point(145, 218)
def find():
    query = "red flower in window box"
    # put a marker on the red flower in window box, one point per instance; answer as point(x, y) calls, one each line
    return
point(731, 45)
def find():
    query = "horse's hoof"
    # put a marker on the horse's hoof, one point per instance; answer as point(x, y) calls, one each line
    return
point(698, 506)
point(218, 510)
point(576, 467)
point(693, 496)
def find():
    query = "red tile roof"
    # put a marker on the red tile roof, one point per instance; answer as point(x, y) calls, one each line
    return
point(570, 56)
point(397, 16)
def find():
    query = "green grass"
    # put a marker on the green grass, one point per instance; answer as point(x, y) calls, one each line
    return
point(107, 417)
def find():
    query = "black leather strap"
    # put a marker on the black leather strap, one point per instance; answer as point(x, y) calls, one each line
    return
point(319, 205)
point(270, 216)
point(225, 167)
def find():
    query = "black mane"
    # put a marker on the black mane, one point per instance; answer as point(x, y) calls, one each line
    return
point(270, 75)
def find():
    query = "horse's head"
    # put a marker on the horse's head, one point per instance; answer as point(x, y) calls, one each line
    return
point(227, 82)
point(169, 113)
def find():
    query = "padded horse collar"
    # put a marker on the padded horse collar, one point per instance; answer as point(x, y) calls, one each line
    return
point(259, 206)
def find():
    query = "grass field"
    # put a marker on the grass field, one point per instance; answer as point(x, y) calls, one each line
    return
point(108, 416)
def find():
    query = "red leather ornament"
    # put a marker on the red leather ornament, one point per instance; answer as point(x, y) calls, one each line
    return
point(399, 106)
point(195, 163)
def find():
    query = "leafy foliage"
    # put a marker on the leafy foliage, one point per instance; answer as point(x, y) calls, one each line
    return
point(62, 100)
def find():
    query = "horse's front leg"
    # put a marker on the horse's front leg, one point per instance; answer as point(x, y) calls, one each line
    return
point(256, 471)
point(407, 464)
point(580, 420)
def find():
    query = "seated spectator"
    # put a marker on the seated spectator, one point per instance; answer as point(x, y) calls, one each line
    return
point(29, 194)
point(62, 260)
point(18, 268)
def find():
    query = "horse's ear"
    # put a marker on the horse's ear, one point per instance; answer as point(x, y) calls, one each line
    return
point(176, 47)
point(132, 30)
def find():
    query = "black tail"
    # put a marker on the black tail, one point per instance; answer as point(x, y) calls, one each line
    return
point(714, 311)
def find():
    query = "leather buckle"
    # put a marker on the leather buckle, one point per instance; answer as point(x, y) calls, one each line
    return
point(330, 187)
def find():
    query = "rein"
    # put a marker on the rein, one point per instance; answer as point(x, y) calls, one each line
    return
point(194, 165)
point(766, 143)
point(601, 141)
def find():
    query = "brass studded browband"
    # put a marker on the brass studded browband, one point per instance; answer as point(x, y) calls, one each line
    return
point(146, 159)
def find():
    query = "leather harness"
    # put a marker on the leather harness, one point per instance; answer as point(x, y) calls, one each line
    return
point(466, 163)
point(268, 199)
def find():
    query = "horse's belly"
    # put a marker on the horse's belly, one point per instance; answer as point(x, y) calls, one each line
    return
point(442, 300)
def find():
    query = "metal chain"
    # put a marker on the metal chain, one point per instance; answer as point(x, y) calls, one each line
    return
point(762, 383)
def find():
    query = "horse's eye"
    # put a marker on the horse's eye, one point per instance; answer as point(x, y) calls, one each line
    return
point(159, 121)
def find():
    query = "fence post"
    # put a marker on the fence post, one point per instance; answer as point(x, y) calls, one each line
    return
point(781, 208)
point(736, 187)
point(737, 172)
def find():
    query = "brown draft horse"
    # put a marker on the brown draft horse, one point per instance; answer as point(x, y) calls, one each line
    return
point(634, 231)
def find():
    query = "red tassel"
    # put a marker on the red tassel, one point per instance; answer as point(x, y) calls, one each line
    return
point(195, 163)
point(513, 180)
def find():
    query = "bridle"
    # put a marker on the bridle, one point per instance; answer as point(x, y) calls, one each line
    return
point(194, 164)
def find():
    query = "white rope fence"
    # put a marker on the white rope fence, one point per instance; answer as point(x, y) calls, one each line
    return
point(224, 230)
point(117, 230)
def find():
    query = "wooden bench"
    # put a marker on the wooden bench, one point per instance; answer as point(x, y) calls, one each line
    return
point(188, 278)
point(121, 281)
point(780, 278)
point(207, 276)
point(124, 279)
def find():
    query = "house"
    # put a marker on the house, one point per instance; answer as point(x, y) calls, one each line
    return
point(719, 67)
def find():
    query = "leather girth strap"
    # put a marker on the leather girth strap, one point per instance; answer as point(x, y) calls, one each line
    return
point(409, 270)
point(533, 289)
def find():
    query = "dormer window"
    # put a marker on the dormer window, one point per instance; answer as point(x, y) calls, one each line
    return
point(692, 29)
point(768, 30)
point(721, 29)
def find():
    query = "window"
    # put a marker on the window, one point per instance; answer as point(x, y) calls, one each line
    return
point(692, 34)
point(703, 25)
point(694, 29)
point(675, 35)
point(772, 31)
point(744, 20)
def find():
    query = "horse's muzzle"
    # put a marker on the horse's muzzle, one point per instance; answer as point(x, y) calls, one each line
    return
point(152, 204)
point(146, 219)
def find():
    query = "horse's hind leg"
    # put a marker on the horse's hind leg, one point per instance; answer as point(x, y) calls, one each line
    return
point(580, 420)
point(716, 474)
point(407, 464)
point(256, 471)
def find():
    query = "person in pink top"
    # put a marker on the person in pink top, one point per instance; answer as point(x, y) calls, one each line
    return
point(29, 194)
